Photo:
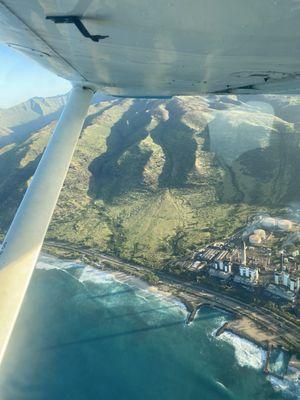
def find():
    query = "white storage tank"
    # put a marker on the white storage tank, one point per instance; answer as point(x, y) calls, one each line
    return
point(261, 233)
point(268, 223)
point(284, 224)
point(254, 239)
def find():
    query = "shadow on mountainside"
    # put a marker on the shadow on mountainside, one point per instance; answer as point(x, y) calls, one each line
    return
point(13, 182)
point(121, 168)
point(263, 175)
point(179, 147)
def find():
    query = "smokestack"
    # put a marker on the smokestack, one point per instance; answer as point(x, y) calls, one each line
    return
point(243, 253)
point(281, 260)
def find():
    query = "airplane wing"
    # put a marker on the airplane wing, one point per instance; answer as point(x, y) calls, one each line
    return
point(161, 48)
point(136, 48)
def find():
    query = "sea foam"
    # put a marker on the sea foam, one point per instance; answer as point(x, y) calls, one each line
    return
point(91, 274)
point(247, 353)
point(48, 262)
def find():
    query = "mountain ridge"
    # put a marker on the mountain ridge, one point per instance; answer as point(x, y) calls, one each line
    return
point(152, 180)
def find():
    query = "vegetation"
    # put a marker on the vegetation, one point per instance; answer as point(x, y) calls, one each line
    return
point(151, 181)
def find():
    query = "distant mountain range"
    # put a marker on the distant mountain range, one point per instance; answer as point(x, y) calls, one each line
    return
point(154, 179)
point(19, 121)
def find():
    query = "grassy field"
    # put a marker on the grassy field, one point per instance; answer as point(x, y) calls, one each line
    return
point(150, 182)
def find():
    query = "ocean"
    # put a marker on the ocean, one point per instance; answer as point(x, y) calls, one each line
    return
point(89, 334)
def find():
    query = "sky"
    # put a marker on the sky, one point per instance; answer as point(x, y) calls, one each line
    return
point(22, 78)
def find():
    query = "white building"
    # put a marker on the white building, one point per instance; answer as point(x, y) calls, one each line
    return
point(221, 269)
point(250, 273)
point(284, 278)
point(220, 265)
point(294, 284)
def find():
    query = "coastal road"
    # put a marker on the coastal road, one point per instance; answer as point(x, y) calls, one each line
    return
point(263, 317)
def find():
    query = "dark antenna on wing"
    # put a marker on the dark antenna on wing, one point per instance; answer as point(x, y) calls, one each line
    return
point(73, 19)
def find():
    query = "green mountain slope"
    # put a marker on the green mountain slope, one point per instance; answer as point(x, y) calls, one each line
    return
point(19, 121)
point(152, 180)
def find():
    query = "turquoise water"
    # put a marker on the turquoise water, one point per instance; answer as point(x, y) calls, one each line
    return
point(86, 334)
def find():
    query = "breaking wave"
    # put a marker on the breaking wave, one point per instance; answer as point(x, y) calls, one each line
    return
point(143, 290)
point(248, 354)
point(48, 262)
point(87, 273)
point(90, 274)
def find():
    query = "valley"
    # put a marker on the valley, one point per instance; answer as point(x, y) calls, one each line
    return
point(153, 180)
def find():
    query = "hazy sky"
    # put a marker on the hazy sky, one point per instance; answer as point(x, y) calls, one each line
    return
point(21, 78)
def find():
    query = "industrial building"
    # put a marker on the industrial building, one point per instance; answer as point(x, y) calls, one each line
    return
point(250, 273)
point(247, 274)
point(218, 259)
point(196, 266)
point(222, 265)
point(289, 281)
point(231, 261)
point(221, 268)
point(212, 253)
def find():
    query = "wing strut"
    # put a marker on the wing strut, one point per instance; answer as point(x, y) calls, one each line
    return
point(23, 242)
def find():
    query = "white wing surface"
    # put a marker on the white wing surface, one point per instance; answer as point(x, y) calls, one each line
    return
point(162, 48)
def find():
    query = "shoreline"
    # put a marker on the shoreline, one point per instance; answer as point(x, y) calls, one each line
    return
point(254, 325)
point(246, 353)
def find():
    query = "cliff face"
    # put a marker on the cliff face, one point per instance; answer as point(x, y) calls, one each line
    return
point(153, 179)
